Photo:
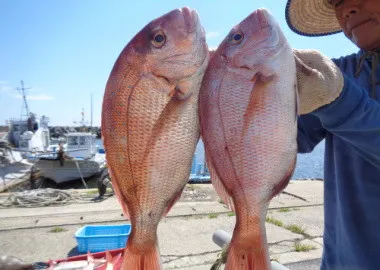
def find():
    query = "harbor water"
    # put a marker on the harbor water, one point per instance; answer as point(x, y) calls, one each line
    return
point(309, 166)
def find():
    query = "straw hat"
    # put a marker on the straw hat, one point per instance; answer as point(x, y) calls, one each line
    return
point(311, 17)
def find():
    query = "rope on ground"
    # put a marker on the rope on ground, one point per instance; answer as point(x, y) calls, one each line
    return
point(43, 197)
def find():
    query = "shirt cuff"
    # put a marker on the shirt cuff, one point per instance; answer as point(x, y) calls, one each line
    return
point(339, 110)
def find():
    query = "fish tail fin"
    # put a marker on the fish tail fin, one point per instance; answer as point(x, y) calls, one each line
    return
point(259, 260)
point(247, 260)
point(135, 259)
point(248, 256)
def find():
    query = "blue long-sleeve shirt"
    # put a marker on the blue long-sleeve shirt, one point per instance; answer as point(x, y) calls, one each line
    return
point(351, 128)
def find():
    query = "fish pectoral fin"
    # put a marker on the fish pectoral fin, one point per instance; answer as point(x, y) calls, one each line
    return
point(264, 76)
point(184, 89)
point(219, 187)
point(261, 82)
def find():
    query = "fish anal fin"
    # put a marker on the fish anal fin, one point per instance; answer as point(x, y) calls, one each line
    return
point(173, 201)
point(219, 187)
point(119, 195)
point(285, 180)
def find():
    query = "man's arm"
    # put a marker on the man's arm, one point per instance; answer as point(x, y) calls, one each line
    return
point(310, 133)
point(354, 117)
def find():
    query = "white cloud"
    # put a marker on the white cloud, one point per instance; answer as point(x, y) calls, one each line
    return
point(212, 34)
point(37, 97)
point(4, 88)
point(40, 97)
point(212, 48)
point(35, 90)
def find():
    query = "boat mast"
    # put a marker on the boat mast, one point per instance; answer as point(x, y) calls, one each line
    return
point(91, 110)
point(25, 106)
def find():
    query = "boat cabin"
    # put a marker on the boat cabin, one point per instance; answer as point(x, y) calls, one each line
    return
point(81, 145)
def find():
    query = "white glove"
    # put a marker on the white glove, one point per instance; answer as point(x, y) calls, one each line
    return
point(319, 80)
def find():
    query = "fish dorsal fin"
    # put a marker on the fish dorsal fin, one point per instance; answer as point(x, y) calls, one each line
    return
point(109, 261)
point(219, 187)
point(51, 264)
point(90, 258)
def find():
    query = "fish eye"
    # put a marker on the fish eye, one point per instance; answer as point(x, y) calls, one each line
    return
point(236, 38)
point(158, 39)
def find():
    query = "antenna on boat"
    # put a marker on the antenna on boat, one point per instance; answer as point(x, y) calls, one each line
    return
point(25, 107)
point(81, 122)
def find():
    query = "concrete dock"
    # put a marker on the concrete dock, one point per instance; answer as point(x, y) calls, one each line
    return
point(294, 228)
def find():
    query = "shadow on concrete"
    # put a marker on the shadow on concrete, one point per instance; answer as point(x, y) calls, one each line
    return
point(309, 265)
point(74, 252)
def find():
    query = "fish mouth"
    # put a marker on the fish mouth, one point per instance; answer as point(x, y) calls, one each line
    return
point(226, 60)
point(164, 78)
point(266, 23)
point(199, 66)
point(180, 59)
point(191, 18)
point(261, 31)
point(262, 16)
point(245, 67)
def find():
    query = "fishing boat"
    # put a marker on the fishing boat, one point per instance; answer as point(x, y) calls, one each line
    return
point(26, 134)
point(14, 169)
point(32, 147)
point(78, 159)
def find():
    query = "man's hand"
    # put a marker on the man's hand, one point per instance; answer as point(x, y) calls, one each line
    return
point(319, 80)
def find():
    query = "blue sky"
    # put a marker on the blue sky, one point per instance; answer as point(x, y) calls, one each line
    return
point(65, 49)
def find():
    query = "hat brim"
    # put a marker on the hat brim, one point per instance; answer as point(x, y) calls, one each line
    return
point(311, 17)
